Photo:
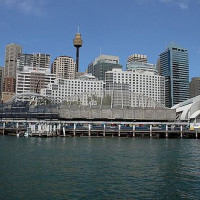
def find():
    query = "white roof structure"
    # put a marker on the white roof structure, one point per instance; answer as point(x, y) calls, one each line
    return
point(189, 109)
point(32, 96)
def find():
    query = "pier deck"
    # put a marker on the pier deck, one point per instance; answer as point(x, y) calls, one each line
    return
point(103, 131)
point(95, 128)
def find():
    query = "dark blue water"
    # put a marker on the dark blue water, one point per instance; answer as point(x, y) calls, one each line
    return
point(99, 168)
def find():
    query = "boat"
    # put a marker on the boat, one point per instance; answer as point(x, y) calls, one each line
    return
point(28, 132)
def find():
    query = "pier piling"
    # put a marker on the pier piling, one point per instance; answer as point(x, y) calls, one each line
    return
point(4, 125)
point(17, 128)
point(119, 130)
point(166, 134)
point(104, 130)
point(134, 130)
point(58, 129)
point(181, 134)
point(64, 131)
point(89, 130)
point(74, 129)
point(151, 131)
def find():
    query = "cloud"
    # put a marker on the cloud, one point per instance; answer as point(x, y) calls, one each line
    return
point(182, 4)
point(166, 1)
point(33, 7)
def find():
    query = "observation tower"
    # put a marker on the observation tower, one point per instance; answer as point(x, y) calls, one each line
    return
point(77, 44)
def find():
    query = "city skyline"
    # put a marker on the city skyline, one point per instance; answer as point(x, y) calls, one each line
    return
point(116, 28)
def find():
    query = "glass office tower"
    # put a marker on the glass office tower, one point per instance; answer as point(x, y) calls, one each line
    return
point(174, 65)
point(102, 64)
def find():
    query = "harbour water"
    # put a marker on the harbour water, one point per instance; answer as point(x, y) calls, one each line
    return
point(99, 168)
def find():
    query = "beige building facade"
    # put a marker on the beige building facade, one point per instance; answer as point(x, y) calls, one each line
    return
point(11, 55)
point(64, 67)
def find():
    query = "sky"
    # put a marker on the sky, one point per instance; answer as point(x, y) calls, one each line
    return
point(117, 27)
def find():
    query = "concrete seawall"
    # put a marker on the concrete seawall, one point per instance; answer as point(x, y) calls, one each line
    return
point(145, 114)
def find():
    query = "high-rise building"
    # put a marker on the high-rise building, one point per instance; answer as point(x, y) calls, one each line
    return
point(158, 66)
point(9, 84)
point(1, 80)
point(11, 55)
point(102, 64)
point(195, 87)
point(136, 58)
point(41, 60)
point(174, 66)
point(64, 67)
point(24, 60)
point(9, 88)
point(36, 60)
point(33, 80)
point(139, 66)
point(135, 88)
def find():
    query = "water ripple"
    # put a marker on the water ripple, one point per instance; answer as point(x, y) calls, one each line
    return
point(99, 168)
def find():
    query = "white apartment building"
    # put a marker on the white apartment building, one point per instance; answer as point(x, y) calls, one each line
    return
point(75, 90)
point(64, 67)
point(136, 87)
point(36, 60)
point(33, 80)
point(142, 67)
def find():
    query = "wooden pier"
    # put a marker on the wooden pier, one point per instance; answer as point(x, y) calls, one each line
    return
point(69, 132)
point(98, 129)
